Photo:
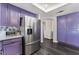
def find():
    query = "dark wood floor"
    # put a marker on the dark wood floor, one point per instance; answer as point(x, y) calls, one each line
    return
point(49, 48)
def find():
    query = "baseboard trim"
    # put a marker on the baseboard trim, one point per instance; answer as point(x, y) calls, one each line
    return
point(48, 39)
point(68, 45)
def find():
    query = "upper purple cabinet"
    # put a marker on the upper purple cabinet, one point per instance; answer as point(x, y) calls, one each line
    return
point(14, 15)
point(61, 28)
point(10, 15)
point(27, 13)
point(22, 13)
point(4, 14)
point(0, 14)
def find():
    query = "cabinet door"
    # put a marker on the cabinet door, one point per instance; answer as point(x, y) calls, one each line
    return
point(12, 48)
point(0, 14)
point(22, 13)
point(61, 28)
point(1, 48)
point(73, 29)
point(0, 45)
point(14, 16)
point(17, 17)
point(4, 14)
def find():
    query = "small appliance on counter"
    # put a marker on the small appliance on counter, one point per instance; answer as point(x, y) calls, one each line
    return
point(2, 31)
point(11, 31)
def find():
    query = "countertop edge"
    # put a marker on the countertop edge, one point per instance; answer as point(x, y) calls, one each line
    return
point(10, 37)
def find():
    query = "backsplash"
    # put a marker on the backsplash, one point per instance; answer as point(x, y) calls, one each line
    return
point(8, 31)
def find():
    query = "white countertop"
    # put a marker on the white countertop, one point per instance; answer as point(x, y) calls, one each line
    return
point(10, 37)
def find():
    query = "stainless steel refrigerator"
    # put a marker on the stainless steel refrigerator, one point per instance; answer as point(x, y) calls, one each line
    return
point(31, 34)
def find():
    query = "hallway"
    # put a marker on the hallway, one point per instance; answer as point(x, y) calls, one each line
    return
point(49, 48)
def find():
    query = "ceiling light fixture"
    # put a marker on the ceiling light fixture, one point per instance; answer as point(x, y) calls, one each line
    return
point(46, 6)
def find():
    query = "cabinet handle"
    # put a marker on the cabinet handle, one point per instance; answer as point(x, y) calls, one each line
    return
point(21, 21)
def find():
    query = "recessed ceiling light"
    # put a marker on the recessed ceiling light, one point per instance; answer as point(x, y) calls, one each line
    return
point(46, 6)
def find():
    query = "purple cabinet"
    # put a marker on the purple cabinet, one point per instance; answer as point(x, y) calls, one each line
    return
point(12, 47)
point(68, 29)
point(1, 48)
point(23, 13)
point(61, 28)
point(0, 45)
point(4, 14)
point(27, 13)
point(17, 12)
point(10, 15)
point(73, 29)
point(0, 14)
point(14, 15)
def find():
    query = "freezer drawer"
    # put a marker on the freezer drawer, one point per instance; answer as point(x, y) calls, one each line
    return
point(35, 47)
point(27, 49)
point(31, 48)
point(28, 39)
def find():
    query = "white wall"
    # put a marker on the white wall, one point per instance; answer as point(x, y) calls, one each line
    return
point(49, 27)
point(42, 32)
point(55, 29)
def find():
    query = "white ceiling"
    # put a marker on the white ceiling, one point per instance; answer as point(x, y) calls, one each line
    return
point(55, 11)
point(46, 7)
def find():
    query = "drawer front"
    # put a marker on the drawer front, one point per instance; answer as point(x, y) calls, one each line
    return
point(11, 41)
point(28, 49)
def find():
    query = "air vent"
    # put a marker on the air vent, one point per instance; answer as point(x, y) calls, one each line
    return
point(60, 11)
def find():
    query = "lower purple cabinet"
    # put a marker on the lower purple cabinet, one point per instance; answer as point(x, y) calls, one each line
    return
point(1, 48)
point(0, 14)
point(13, 47)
